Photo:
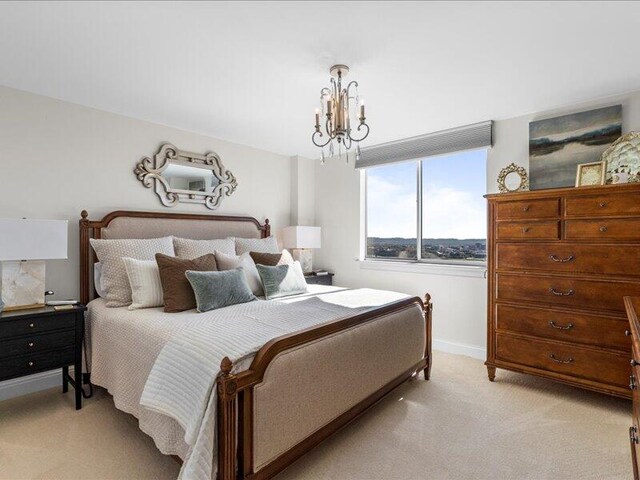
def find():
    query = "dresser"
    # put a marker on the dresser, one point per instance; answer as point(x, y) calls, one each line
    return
point(632, 305)
point(42, 339)
point(560, 262)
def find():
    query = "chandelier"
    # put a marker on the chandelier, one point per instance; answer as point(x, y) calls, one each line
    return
point(337, 106)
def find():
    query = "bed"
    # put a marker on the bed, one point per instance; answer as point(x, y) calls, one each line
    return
point(314, 362)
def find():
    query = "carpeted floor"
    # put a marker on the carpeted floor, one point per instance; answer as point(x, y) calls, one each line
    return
point(457, 426)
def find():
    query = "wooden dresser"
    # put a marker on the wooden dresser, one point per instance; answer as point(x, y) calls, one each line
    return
point(560, 263)
point(633, 310)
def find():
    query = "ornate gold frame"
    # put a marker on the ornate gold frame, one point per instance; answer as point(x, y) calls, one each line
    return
point(520, 171)
point(149, 172)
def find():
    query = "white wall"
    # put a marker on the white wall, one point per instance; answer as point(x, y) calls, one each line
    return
point(57, 158)
point(459, 322)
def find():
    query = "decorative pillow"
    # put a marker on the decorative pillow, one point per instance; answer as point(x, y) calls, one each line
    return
point(176, 289)
point(272, 259)
point(187, 248)
point(144, 279)
point(219, 289)
point(97, 279)
point(114, 276)
point(282, 280)
point(244, 261)
point(263, 245)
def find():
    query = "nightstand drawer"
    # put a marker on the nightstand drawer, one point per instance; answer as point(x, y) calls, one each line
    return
point(37, 362)
point(38, 324)
point(37, 343)
point(319, 279)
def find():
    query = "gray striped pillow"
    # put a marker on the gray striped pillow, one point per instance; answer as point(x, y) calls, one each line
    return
point(146, 287)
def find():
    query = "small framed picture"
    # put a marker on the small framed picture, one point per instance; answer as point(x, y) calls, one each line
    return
point(590, 174)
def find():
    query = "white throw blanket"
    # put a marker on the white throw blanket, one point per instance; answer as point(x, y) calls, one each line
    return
point(181, 382)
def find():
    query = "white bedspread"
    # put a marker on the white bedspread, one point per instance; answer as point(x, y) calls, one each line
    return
point(177, 356)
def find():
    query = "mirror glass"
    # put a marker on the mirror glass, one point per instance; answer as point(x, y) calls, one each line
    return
point(512, 181)
point(190, 179)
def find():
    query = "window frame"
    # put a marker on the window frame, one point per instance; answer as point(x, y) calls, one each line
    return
point(419, 200)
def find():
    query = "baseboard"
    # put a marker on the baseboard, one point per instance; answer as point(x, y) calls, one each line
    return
point(30, 384)
point(459, 349)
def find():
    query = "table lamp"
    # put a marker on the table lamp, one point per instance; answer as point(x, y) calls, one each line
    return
point(301, 240)
point(24, 245)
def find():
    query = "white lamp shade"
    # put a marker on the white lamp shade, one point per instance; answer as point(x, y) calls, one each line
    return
point(27, 239)
point(301, 237)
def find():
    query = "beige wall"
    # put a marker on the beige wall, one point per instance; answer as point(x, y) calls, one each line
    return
point(459, 301)
point(58, 158)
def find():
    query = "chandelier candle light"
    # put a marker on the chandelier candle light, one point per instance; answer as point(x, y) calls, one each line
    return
point(338, 105)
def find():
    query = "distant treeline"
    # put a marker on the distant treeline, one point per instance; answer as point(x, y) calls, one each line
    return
point(602, 136)
point(450, 242)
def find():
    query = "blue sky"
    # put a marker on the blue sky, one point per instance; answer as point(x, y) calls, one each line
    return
point(453, 205)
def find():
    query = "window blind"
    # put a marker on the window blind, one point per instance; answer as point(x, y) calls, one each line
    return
point(469, 137)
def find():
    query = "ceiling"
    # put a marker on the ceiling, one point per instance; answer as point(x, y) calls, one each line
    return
point(250, 72)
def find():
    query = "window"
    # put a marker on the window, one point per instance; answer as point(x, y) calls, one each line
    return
point(451, 224)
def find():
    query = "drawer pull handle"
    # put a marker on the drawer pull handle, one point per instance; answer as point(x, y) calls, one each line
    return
point(627, 333)
point(603, 229)
point(634, 363)
point(560, 327)
point(31, 364)
point(632, 382)
point(602, 204)
point(526, 229)
point(557, 360)
point(526, 208)
point(633, 434)
point(30, 344)
point(561, 260)
point(560, 294)
point(31, 325)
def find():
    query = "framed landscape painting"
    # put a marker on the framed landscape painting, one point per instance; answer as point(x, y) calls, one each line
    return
point(558, 145)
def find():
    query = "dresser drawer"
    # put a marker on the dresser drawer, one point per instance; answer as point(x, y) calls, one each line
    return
point(37, 343)
point(610, 368)
point(528, 230)
point(621, 260)
point(603, 205)
point(605, 229)
point(585, 329)
point(36, 362)
point(29, 326)
point(565, 291)
point(523, 209)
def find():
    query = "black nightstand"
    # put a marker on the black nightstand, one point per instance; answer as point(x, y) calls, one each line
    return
point(314, 279)
point(43, 339)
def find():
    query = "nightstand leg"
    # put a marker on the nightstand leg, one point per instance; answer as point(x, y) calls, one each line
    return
point(65, 382)
point(78, 380)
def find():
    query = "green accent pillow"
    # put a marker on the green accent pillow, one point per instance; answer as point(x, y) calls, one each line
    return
point(219, 289)
point(282, 280)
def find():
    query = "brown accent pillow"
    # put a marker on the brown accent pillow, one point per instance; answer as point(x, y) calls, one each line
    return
point(176, 289)
point(272, 259)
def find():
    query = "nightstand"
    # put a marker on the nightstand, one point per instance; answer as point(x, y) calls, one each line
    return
point(42, 339)
point(314, 279)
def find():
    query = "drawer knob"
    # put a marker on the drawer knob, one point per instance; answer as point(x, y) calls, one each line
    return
point(632, 382)
point(562, 260)
point(558, 360)
point(569, 326)
point(31, 364)
point(603, 229)
point(526, 229)
point(526, 208)
point(31, 325)
point(30, 344)
point(627, 333)
point(634, 363)
point(561, 294)
point(633, 434)
point(602, 204)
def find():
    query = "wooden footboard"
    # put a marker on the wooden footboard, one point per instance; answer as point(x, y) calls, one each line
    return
point(282, 366)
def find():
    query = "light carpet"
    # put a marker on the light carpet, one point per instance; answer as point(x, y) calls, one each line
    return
point(457, 426)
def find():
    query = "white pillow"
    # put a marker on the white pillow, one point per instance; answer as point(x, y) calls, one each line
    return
point(146, 287)
point(262, 245)
point(114, 276)
point(229, 262)
point(187, 248)
point(97, 279)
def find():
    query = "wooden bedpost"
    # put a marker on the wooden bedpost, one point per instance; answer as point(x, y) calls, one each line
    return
point(428, 311)
point(227, 420)
point(267, 228)
point(84, 258)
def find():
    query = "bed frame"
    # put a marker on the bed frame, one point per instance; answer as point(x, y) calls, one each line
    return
point(235, 409)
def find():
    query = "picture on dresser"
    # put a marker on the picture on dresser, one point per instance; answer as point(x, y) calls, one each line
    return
point(558, 145)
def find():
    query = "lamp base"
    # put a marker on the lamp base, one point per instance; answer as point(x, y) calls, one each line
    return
point(22, 284)
point(305, 257)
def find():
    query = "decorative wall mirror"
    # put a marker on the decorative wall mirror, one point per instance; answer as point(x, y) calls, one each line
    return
point(185, 177)
point(513, 178)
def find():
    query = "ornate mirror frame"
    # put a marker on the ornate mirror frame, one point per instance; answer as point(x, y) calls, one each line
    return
point(520, 171)
point(149, 172)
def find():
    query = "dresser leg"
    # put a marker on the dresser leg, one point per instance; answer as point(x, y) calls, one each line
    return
point(65, 382)
point(491, 372)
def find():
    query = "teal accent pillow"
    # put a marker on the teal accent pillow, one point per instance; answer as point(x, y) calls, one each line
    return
point(282, 280)
point(219, 289)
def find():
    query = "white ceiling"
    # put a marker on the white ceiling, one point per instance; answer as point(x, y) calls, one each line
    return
point(250, 72)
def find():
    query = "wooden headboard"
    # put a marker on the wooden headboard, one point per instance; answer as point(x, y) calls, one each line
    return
point(124, 224)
